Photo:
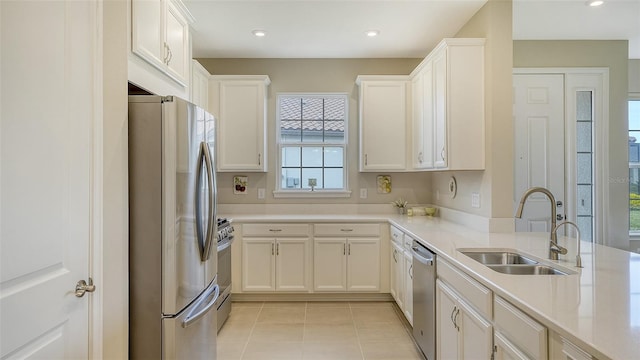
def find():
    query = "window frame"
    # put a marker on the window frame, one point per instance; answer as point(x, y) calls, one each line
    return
point(633, 235)
point(279, 192)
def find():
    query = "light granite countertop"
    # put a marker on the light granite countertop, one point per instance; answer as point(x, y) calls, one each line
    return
point(597, 307)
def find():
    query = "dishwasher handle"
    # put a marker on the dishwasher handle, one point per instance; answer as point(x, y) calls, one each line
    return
point(423, 255)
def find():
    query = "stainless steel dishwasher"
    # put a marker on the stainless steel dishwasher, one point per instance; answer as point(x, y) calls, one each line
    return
point(424, 299)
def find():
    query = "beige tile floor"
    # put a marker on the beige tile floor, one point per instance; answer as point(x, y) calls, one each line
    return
point(316, 330)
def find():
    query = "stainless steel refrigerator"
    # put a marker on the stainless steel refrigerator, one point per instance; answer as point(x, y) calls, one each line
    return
point(172, 230)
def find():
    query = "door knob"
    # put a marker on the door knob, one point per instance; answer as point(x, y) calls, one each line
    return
point(82, 287)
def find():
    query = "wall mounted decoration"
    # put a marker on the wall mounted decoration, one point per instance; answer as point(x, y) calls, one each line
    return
point(384, 184)
point(240, 184)
point(453, 187)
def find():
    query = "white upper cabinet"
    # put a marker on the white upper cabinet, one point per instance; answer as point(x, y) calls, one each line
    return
point(199, 85)
point(160, 36)
point(240, 105)
point(384, 104)
point(422, 118)
point(458, 73)
point(448, 107)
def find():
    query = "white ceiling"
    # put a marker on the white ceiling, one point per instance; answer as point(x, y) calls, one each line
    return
point(573, 20)
point(408, 28)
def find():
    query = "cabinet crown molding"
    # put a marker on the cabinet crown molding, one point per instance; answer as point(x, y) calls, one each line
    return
point(361, 78)
point(184, 11)
point(264, 78)
point(444, 43)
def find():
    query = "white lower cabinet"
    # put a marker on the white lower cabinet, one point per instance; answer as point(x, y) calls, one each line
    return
point(505, 350)
point(275, 264)
point(346, 263)
point(342, 264)
point(397, 274)
point(408, 286)
point(279, 263)
point(523, 333)
point(462, 333)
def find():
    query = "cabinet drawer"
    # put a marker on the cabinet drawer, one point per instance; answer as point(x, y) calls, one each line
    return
point(476, 294)
point(408, 241)
point(527, 334)
point(347, 230)
point(275, 230)
point(396, 235)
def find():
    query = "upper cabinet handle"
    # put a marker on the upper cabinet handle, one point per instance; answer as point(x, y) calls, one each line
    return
point(346, 230)
point(259, 159)
point(275, 230)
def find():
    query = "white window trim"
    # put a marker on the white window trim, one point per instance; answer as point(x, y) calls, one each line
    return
point(317, 193)
point(633, 235)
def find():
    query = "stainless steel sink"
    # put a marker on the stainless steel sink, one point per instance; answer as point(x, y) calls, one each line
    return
point(526, 270)
point(512, 263)
point(497, 258)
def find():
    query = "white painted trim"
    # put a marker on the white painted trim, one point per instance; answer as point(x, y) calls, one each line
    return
point(361, 78)
point(601, 151)
point(311, 194)
point(96, 300)
point(264, 78)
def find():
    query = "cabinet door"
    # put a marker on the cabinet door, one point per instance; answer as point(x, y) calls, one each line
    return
point(397, 278)
point(292, 273)
point(440, 108)
point(408, 286)
point(476, 334)
point(446, 330)
point(417, 116)
point(383, 117)
point(147, 19)
point(363, 264)
point(330, 264)
point(505, 350)
point(428, 117)
point(241, 127)
point(258, 264)
point(177, 42)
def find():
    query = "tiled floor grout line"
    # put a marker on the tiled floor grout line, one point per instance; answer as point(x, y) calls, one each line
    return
point(255, 322)
point(353, 322)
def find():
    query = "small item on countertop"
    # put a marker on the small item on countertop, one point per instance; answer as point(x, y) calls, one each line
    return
point(430, 211)
point(410, 212)
point(418, 211)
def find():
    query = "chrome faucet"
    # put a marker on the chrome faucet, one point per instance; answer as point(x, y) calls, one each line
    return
point(554, 248)
point(578, 258)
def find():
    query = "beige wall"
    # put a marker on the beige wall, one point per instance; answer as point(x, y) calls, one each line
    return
point(319, 75)
point(112, 258)
point(495, 183)
point(634, 76)
point(612, 54)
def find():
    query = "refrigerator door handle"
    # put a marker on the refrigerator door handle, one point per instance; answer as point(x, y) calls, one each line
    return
point(202, 311)
point(213, 202)
point(205, 239)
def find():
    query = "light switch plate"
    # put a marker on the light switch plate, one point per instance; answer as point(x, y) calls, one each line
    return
point(363, 193)
point(475, 200)
point(261, 193)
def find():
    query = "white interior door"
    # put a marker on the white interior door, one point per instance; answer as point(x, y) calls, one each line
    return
point(539, 146)
point(47, 112)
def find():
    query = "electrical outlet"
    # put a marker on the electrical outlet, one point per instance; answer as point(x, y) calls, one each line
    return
point(475, 200)
point(261, 193)
point(363, 193)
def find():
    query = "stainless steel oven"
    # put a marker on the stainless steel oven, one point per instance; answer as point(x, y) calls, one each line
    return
point(225, 239)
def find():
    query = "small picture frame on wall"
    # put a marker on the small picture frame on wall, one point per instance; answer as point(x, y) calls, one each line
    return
point(240, 185)
point(384, 184)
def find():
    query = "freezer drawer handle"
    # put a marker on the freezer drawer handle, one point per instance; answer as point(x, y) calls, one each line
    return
point(192, 318)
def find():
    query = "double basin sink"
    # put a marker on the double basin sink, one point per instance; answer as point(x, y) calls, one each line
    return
point(512, 263)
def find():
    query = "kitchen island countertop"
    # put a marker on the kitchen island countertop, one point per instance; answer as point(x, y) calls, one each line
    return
point(597, 307)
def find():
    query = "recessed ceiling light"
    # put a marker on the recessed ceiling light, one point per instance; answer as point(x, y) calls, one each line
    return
point(372, 33)
point(595, 2)
point(259, 33)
